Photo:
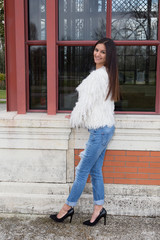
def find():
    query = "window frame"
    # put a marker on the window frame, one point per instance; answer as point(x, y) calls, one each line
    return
point(52, 43)
point(123, 43)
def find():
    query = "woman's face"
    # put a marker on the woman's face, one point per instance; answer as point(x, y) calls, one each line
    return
point(99, 55)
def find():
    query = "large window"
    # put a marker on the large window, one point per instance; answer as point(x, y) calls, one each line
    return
point(36, 54)
point(133, 24)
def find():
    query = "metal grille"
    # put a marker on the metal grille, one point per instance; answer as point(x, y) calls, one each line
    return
point(82, 19)
point(79, 6)
point(129, 5)
point(134, 20)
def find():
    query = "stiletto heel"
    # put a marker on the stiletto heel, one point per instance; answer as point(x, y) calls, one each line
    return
point(68, 214)
point(71, 218)
point(103, 213)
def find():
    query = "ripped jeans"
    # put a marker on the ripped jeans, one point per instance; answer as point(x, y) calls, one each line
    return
point(91, 163)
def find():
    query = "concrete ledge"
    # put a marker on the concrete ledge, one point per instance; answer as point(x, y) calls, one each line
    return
point(30, 203)
point(132, 133)
point(39, 130)
point(133, 200)
point(34, 188)
point(39, 198)
point(36, 120)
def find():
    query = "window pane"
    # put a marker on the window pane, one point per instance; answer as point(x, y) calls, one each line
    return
point(134, 20)
point(75, 64)
point(37, 77)
point(137, 76)
point(37, 19)
point(82, 19)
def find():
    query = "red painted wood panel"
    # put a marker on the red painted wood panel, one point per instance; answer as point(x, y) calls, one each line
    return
point(51, 56)
point(20, 56)
point(10, 55)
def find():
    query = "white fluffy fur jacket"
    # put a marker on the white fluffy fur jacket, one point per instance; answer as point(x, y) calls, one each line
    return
point(92, 110)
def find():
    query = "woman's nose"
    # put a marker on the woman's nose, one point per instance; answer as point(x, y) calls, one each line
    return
point(97, 53)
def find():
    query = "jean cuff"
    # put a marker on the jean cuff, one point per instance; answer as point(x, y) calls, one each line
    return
point(99, 202)
point(71, 204)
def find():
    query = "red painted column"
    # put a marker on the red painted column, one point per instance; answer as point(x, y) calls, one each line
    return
point(109, 19)
point(158, 69)
point(20, 56)
point(10, 55)
point(51, 56)
point(158, 82)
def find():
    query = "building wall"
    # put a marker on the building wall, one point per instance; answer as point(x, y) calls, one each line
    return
point(129, 167)
point(38, 151)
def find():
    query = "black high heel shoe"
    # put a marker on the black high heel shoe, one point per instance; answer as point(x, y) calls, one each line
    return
point(103, 213)
point(68, 214)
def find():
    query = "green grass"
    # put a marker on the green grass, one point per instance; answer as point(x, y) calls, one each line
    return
point(2, 94)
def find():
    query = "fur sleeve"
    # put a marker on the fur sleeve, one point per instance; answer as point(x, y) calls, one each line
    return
point(93, 89)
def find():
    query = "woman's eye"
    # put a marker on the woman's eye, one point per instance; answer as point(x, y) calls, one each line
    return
point(103, 52)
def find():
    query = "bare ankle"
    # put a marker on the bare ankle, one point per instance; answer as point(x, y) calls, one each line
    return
point(98, 207)
point(66, 207)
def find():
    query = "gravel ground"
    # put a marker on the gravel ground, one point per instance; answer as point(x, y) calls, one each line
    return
point(26, 227)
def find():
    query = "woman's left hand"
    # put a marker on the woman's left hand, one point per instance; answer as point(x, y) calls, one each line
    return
point(68, 116)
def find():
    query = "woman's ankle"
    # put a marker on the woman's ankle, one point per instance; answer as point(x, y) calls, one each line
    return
point(98, 207)
point(66, 207)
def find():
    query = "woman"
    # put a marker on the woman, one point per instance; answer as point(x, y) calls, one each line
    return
point(95, 111)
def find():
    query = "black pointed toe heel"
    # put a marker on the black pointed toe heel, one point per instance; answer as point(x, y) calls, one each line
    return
point(103, 214)
point(68, 214)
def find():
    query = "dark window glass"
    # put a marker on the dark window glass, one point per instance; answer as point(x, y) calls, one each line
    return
point(75, 63)
point(37, 19)
point(134, 20)
point(37, 77)
point(137, 76)
point(82, 19)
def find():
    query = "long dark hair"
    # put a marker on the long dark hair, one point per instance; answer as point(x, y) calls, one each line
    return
point(111, 67)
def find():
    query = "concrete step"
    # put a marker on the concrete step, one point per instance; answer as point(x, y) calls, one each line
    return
point(39, 198)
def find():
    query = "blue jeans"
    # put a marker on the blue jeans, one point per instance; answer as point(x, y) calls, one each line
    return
point(91, 163)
